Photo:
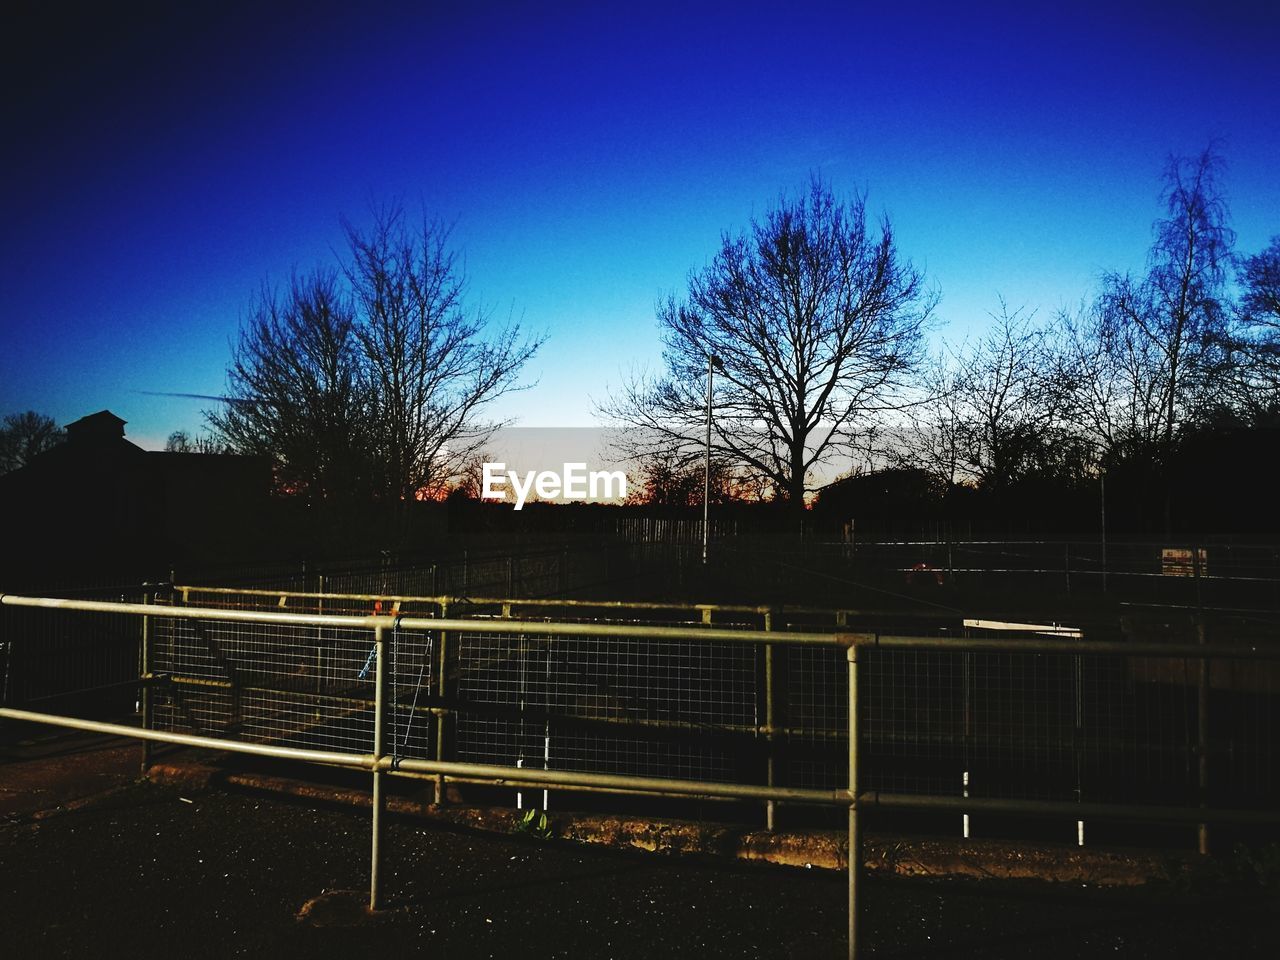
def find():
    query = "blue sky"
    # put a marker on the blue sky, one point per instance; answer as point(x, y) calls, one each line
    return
point(159, 167)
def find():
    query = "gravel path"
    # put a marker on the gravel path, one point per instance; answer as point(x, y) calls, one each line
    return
point(150, 874)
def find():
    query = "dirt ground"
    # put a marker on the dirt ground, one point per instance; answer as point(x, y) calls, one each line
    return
point(42, 773)
point(147, 871)
point(150, 873)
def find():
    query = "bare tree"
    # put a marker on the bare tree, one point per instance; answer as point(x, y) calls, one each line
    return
point(182, 442)
point(370, 381)
point(296, 392)
point(932, 437)
point(817, 322)
point(178, 442)
point(468, 484)
point(993, 413)
point(1144, 355)
point(667, 479)
point(1257, 342)
point(1007, 399)
point(25, 436)
point(433, 366)
point(1260, 275)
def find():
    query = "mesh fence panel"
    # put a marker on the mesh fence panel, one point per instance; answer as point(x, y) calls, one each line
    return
point(1099, 728)
point(76, 662)
point(814, 717)
point(300, 686)
point(1089, 727)
point(411, 726)
point(685, 709)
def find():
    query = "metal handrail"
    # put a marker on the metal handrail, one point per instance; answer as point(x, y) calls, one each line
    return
point(510, 602)
point(379, 763)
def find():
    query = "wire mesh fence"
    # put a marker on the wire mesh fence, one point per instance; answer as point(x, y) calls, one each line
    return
point(298, 686)
point(1166, 570)
point(506, 571)
point(81, 663)
point(600, 691)
point(614, 705)
point(1087, 727)
point(1080, 727)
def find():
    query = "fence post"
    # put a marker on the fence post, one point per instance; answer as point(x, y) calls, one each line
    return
point(855, 834)
point(770, 740)
point(144, 675)
point(319, 649)
point(1103, 498)
point(379, 801)
point(442, 713)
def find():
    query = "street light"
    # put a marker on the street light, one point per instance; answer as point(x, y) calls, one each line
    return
point(712, 362)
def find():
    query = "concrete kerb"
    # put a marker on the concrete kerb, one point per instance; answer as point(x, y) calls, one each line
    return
point(931, 858)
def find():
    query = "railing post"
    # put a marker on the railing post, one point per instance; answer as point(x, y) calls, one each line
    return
point(855, 833)
point(966, 684)
point(1078, 742)
point(379, 801)
point(144, 677)
point(1202, 705)
point(1202, 740)
point(442, 713)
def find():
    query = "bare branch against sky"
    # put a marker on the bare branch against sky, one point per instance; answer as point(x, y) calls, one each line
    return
point(817, 321)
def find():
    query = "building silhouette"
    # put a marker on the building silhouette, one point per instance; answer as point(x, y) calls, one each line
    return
point(100, 502)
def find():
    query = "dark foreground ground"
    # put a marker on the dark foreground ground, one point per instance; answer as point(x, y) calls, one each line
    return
point(150, 873)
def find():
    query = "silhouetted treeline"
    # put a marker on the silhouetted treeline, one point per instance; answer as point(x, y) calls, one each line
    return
point(1016, 425)
point(1215, 480)
point(356, 399)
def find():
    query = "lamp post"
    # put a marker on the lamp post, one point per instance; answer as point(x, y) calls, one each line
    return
point(712, 362)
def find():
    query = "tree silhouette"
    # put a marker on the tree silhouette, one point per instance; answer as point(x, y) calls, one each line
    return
point(297, 393)
point(1142, 359)
point(817, 322)
point(370, 381)
point(25, 436)
point(1256, 384)
point(993, 416)
point(432, 366)
point(182, 442)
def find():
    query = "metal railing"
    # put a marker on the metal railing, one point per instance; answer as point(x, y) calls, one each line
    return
point(245, 656)
point(1139, 568)
point(327, 678)
point(531, 569)
point(1050, 726)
